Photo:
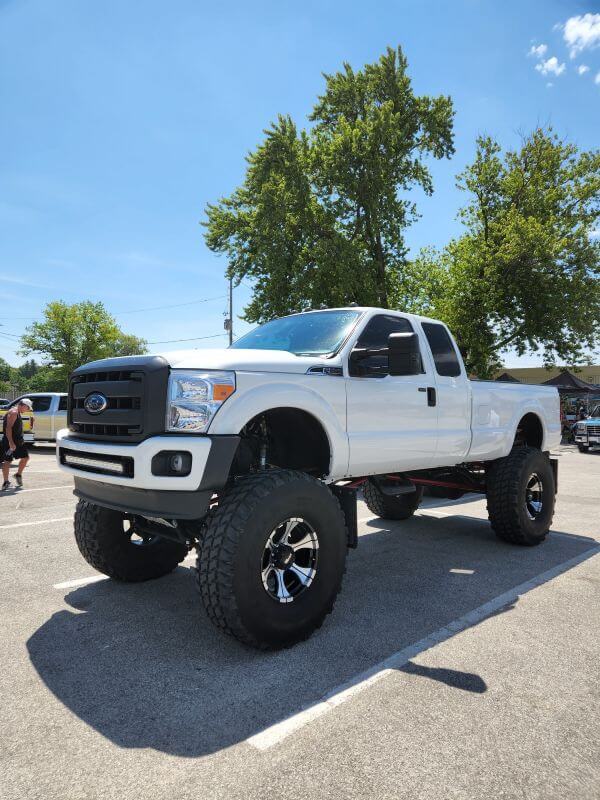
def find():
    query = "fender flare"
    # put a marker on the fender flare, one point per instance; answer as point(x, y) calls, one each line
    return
point(238, 410)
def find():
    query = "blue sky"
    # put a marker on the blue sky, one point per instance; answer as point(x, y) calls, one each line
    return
point(120, 121)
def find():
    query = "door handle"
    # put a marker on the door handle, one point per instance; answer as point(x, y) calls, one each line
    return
point(431, 396)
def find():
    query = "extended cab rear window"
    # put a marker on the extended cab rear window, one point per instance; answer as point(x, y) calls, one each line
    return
point(444, 355)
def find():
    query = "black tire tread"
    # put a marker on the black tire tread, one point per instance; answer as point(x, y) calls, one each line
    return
point(88, 535)
point(390, 507)
point(224, 527)
point(503, 498)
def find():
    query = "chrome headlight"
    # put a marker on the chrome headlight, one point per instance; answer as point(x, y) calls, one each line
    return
point(193, 398)
point(581, 427)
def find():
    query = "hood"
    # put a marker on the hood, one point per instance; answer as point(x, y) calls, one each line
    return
point(591, 421)
point(246, 360)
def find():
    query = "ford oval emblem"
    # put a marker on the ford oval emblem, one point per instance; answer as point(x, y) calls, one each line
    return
point(95, 403)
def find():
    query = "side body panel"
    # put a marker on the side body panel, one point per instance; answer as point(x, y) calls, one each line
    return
point(497, 409)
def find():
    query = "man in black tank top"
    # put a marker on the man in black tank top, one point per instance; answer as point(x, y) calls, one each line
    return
point(13, 443)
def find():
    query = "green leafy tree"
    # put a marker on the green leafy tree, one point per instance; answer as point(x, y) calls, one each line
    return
point(71, 335)
point(5, 370)
point(320, 217)
point(29, 368)
point(525, 274)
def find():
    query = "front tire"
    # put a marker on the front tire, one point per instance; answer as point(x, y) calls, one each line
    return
point(583, 448)
point(401, 506)
point(272, 558)
point(108, 542)
point(520, 496)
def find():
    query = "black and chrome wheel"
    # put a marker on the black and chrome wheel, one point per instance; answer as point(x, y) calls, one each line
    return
point(520, 496)
point(115, 545)
point(289, 562)
point(272, 557)
point(534, 496)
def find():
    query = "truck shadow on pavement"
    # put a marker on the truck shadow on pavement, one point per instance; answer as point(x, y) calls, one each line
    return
point(143, 666)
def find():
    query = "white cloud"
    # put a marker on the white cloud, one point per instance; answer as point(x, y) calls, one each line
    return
point(582, 33)
point(595, 234)
point(550, 67)
point(597, 78)
point(539, 51)
point(582, 69)
point(549, 85)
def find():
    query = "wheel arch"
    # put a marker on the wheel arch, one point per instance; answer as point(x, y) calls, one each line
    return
point(251, 404)
point(530, 431)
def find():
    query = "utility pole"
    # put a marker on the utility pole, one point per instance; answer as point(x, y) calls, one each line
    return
point(228, 324)
point(230, 310)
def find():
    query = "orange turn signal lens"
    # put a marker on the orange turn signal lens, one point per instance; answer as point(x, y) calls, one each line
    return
point(221, 391)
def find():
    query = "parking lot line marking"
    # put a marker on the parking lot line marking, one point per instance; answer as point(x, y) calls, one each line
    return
point(80, 582)
point(35, 522)
point(16, 491)
point(276, 733)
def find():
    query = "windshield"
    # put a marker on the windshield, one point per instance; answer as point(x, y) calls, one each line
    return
point(310, 334)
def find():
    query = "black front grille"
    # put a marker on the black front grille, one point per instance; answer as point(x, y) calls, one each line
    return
point(135, 390)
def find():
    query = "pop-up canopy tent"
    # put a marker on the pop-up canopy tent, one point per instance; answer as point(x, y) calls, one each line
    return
point(569, 384)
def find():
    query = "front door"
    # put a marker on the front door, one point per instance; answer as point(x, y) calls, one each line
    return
point(392, 420)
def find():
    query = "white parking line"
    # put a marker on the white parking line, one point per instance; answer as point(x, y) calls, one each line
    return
point(36, 522)
point(16, 491)
point(276, 733)
point(80, 582)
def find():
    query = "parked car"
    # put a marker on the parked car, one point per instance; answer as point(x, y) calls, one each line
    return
point(4, 401)
point(587, 431)
point(253, 454)
point(50, 414)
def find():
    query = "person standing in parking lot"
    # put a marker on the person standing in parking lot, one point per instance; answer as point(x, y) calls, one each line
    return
point(13, 443)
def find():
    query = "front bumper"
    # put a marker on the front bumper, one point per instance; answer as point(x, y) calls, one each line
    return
point(142, 492)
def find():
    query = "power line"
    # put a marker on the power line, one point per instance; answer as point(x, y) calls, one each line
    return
point(175, 305)
point(152, 308)
point(193, 339)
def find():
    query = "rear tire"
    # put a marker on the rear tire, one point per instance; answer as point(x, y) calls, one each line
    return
point(110, 546)
point(520, 496)
point(247, 573)
point(401, 506)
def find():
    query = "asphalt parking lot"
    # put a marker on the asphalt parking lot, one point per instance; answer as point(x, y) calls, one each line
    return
point(454, 666)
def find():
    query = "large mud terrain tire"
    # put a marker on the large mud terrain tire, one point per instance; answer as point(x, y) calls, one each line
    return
point(107, 541)
point(382, 505)
point(520, 496)
point(272, 558)
point(583, 448)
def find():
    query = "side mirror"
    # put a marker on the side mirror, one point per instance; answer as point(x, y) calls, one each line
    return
point(404, 354)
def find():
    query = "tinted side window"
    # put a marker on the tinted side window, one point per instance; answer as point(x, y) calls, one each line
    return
point(444, 354)
point(41, 403)
point(379, 328)
point(62, 404)
point(375, 337)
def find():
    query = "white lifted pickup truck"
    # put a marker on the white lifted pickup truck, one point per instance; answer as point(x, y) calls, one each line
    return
point(254, 455)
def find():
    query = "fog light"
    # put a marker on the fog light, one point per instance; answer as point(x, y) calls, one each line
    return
point(177, 463)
